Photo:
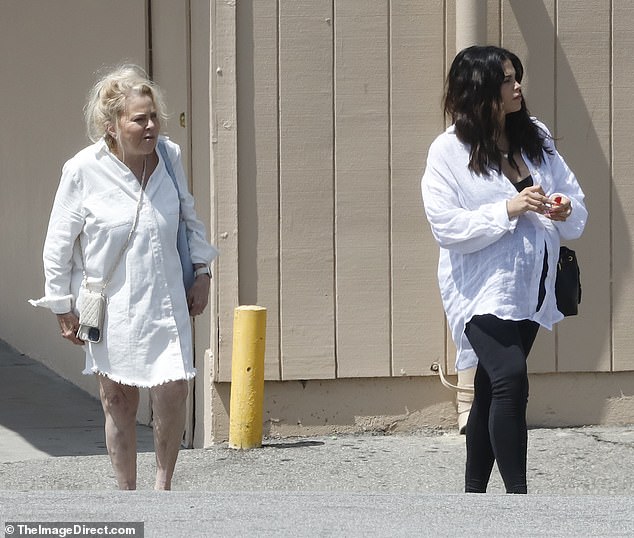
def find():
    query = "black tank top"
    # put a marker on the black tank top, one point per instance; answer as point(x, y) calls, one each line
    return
point(526, 182)
point(520, 186)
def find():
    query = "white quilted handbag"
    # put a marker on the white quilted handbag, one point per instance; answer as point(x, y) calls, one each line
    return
point(92, 308)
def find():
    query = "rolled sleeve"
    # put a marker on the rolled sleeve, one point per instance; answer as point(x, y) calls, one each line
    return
point(566, 184)
point(65, 225)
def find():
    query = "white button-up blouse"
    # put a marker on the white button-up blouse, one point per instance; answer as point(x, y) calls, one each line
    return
point(146, 339)
point(490, 263)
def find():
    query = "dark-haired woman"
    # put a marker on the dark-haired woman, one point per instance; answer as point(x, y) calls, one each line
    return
point(498, 197)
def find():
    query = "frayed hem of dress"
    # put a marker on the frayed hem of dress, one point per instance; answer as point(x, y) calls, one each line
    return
point(95, 371)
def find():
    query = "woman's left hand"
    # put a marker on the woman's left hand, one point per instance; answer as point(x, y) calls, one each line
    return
point(559, 209)
point(68, 324)
point(198, 295)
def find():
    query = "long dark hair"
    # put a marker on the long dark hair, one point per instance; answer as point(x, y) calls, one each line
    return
point(474, 103)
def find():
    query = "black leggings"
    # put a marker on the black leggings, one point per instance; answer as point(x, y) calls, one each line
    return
point(496, 430)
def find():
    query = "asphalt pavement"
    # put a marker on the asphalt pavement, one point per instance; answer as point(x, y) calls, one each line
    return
point(54, 468)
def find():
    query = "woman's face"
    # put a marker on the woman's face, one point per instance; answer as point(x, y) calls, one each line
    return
point(511, 90)
point(138, 127)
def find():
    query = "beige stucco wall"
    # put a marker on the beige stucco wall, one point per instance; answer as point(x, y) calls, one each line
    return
point(51, 51)
point(306, 129)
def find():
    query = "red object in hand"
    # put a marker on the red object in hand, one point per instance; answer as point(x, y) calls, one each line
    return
point(557, 199)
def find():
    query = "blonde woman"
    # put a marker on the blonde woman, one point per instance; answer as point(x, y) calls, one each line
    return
point(113, 230)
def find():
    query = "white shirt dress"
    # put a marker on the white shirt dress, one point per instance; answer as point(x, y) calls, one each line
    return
point(490, 263)
point(146, 338)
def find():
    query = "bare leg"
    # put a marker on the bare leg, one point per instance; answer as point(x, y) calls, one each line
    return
point(120, 403)
point(168, 412)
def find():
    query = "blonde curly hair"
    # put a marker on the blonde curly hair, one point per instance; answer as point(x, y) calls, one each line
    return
point(107, 100)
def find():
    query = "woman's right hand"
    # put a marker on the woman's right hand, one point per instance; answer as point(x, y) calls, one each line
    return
point(530, 199)
point(69, 325)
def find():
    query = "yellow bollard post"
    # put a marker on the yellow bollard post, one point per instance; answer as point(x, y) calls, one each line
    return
point(247, 377)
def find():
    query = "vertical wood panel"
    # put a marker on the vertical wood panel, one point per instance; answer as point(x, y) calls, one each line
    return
point(417, 77)
point(306, 189)
point(225, 175)
point(170, 55)
point(623, 187)
point(529, 32)
point(494, 24)
point(362, 188)
point(205, 333)
point(449, 25)
point(583, 126)
point(258, 167)
point(449, 54)
point(170, 61)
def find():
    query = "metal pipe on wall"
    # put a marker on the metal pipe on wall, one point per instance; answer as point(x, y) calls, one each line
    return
point(471, 23)
point(471, 29)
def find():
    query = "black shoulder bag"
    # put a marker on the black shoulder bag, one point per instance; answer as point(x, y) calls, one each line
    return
point(568, 283)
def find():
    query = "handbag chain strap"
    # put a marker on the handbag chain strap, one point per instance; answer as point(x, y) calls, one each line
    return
point(129, 238)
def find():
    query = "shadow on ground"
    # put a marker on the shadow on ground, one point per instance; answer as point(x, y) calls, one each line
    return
point(42, 414)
